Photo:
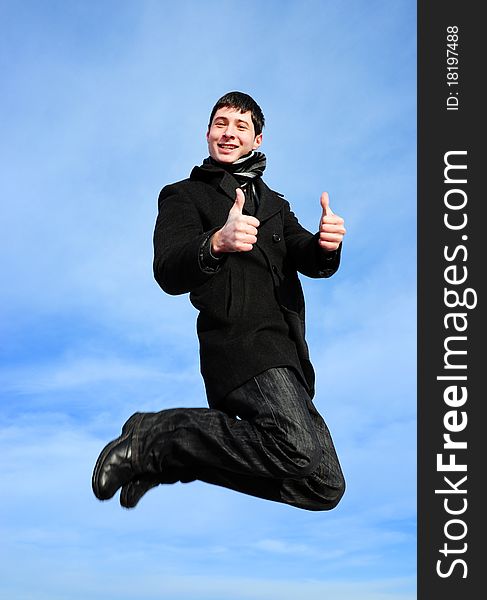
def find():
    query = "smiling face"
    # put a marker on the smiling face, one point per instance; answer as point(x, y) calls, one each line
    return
point(231, 135)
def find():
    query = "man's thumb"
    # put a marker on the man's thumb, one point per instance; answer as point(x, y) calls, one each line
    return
point(239, 200)
point(325, 204)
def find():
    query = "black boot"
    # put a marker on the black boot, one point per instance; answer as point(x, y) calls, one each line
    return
point(133, 491)
point(114, 467)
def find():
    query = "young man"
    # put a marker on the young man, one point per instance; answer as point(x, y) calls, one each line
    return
point(223, 236)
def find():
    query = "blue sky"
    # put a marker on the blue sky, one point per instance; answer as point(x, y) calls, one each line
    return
point(102, 104)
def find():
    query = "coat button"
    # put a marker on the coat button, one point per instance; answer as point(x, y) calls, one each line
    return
point(276, 238)
point(274, 269)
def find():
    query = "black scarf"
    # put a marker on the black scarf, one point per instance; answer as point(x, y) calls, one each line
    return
point(244, 170)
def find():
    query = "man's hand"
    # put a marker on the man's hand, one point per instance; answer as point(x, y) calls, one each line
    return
point(239, 233)
point(331, 226)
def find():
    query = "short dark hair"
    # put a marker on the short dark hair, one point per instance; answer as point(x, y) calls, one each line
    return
point(244, 103)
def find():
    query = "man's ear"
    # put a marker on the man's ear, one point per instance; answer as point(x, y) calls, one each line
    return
point(207, 134)
point(257, 141)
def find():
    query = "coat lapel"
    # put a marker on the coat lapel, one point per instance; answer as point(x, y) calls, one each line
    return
point(219, 179)
point(228, 186)
point(270, 202)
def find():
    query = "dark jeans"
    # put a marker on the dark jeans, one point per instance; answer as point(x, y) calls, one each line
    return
point(265, 439)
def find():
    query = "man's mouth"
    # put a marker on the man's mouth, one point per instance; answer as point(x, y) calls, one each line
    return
point(227, 146)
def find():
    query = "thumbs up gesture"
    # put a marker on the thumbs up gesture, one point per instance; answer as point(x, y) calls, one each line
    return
point(239, 233)
point(331, 226)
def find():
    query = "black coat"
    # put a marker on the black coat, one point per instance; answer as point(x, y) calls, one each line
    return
point(252, 314)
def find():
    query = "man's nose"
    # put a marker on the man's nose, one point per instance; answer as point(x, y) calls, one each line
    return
point(228, 133)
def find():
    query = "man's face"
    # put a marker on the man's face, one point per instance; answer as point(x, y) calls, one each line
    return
point(231, 135)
